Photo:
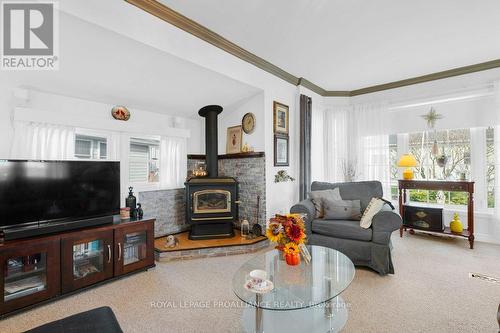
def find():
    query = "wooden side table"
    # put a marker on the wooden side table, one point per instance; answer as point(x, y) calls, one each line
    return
point(440, 185)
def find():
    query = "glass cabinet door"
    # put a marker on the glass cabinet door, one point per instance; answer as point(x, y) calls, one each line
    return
point(88, 258)
point(25, 275)
point(29, 272)
point(134, 247)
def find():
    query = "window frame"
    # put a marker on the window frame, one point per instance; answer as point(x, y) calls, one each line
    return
point(478, 167)
point(146, 140)
point(93, 136)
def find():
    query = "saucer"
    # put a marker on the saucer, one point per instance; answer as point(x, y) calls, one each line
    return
point(250, 285)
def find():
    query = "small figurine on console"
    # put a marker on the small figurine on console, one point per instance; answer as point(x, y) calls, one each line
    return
point(140, 212)
point(130, 202)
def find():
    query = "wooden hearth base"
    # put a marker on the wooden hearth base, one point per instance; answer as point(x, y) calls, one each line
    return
point(187, 248)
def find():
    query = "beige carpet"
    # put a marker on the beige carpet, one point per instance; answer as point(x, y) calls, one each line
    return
point(430, 292)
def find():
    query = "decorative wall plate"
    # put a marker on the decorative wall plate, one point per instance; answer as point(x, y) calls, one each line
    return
point(120, 113)
point(248, 123)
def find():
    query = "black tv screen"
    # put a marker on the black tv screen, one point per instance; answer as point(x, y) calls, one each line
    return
point(45, 191)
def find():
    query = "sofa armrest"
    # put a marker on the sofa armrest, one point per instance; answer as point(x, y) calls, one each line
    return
point(305, 207)
point(383, 224)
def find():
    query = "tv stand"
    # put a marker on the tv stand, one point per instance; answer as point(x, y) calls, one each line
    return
point(45, 228)
point(41, 269)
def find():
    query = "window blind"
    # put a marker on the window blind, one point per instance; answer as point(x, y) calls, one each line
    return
point(138, 163)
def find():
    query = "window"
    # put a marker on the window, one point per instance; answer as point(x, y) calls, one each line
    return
point(90, 147)
point(454, 159)
point(452, 162)
point(144, 161)
point(454, 145)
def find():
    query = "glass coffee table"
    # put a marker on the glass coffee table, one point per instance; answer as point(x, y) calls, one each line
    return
point(305, 298)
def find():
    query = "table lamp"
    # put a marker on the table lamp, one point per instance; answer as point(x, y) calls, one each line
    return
point(407, 161)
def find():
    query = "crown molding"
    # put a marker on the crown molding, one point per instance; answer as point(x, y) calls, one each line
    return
point(337, 93)
point(430, 77)
point(311, 86)
point(184, 23)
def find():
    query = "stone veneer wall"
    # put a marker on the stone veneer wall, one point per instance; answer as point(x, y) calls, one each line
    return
point(210, 252)
point(168, 207)
point(250, 172)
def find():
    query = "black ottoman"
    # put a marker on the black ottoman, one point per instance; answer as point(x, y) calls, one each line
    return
point(100, 320)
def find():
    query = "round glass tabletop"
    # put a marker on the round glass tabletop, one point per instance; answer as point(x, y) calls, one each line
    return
point(328, 274)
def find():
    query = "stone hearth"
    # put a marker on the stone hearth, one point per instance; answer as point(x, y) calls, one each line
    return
point(168, 206)
point(190, 249)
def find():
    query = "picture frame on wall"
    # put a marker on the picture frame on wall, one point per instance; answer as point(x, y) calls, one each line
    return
point(281, 115)
point(281, 150)
point(234, 139)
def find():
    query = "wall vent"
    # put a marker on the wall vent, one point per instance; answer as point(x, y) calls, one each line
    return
point(483, 277)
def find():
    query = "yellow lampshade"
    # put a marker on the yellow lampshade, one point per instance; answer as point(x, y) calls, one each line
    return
point(407, 161)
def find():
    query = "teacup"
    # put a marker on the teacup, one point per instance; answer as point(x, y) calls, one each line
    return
point(259, 277)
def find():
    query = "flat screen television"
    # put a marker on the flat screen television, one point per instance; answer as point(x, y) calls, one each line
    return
point(38, 197)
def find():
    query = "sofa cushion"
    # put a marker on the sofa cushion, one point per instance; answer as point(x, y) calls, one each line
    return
point(341, 229)
point(342, 209)
point(317, 198)
point(373, 208)
point(101, 320)
point(363, 191)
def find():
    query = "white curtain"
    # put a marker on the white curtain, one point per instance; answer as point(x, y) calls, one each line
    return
point(317, 144)
point(173, 162)
point(39, 141)
point(370, 144)
point(337, 142)
point(114, 145)
point(354, 144)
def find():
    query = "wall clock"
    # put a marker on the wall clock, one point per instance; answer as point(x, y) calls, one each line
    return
point(248, 123)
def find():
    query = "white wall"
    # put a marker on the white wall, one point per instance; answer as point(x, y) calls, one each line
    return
point(477, 112)
point(154, 32)
point(151, 31)
point(281, 196)
point(233, 115)
point(75, 111)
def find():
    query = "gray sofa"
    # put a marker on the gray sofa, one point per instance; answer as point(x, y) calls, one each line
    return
point(365, 247)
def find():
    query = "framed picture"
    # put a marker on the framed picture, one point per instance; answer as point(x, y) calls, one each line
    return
point(234, 139)
point(280, 118)
point(281, 151)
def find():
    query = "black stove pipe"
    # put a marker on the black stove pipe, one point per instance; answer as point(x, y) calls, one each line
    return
point(210, 113)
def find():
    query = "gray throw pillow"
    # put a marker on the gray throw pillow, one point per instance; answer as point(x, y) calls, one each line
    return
point(317, 198)
point(342, 209)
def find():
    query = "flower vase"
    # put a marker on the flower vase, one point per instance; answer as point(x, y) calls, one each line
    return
point(281, 255)
point(292, 259)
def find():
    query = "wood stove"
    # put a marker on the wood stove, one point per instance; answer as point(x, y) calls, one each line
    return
point(211, 201)
point(212, 207)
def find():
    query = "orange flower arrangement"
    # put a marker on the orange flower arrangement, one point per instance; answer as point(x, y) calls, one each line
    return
point(288, 231)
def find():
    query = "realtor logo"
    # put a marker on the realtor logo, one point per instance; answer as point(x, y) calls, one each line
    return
point(30, 35)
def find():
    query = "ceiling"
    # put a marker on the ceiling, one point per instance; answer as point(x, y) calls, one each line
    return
point(107, 67)
point(349, 45)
